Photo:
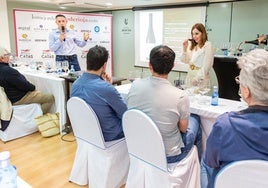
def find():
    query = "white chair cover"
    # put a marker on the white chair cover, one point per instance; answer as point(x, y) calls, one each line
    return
point(148, 165)
point(243, 174)
point(79, 173)
point(22, 122)
point(98, 163)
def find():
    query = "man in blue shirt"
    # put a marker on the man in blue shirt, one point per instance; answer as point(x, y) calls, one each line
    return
point(241, 135)
point(94, 87)
point(63, 42)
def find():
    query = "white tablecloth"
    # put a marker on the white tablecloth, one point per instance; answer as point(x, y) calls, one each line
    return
point(207, 112)
point(49, 83)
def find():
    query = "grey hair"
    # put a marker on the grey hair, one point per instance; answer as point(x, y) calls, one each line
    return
point(254, 74)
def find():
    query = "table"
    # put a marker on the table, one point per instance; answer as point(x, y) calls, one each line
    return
point(49, 83)
point(207, 112)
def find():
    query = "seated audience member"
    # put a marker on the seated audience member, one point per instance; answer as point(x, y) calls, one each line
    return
point(166, 105)
point(95, 88)
point(17, 88)
point(241, 135)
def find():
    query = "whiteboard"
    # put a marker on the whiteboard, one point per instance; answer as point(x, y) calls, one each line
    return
point(165, 26)
point(32, 28)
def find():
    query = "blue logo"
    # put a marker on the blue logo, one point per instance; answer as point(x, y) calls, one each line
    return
point(97, 29)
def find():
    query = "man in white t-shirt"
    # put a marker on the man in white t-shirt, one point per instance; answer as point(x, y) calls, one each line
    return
point(167, 106)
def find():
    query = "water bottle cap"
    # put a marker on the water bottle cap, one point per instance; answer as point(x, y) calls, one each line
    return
point(4, 155)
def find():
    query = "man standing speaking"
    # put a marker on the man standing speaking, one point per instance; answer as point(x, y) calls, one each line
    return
point(63, 41)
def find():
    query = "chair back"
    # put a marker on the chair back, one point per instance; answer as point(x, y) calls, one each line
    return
point(143, 139)
point(243, 174)
point(85, 123)
point(5, 107)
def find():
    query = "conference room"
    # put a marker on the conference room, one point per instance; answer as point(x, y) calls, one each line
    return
point(124, 29)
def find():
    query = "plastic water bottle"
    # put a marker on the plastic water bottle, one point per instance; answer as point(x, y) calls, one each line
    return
point(8, 173)
point(72, 70)
point(215, 96)
point(226, 53)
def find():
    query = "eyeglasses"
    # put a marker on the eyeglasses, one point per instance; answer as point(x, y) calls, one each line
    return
point(8, 54)
point(237, 80)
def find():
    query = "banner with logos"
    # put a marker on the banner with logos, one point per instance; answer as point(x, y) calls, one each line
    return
point(32, 28)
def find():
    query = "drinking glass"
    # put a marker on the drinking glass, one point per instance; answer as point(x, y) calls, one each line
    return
point(48, 66)
point(39, 64)
point(225, 48)
point(14, 60)
point(203, 88)
point(33, 65)
point(217, 48)
point(59, 67)
point(65, 66)
point(180, 83)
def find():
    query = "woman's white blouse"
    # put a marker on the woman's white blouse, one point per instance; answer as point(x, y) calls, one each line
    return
point(202, 58)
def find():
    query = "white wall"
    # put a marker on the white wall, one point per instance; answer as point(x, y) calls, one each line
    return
point(4, 31)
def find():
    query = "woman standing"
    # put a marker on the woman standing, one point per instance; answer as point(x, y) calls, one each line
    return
point(199, 54)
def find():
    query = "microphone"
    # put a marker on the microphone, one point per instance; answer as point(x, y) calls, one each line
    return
point(63, 30)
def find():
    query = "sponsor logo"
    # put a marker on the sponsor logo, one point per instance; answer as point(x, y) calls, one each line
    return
point(78, 19)
point(24, 35)
point(72, 26)
point(24, 38)
point(84, 30)
point(40, 28)
point(40, 40)
point(126, 29)
point(47, 54)
point(125, 21)
point(38, 17)
point(97, 29)
point(104, 42)
point(24, 28)
point(25, 53)
point(93, 20)
point(93, 42)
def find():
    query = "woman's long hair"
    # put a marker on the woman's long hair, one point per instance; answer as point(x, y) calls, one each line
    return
point(200, 27)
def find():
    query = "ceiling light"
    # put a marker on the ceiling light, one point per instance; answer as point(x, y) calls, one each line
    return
point(108, 4)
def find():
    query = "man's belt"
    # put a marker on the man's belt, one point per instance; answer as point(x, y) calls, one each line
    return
point(193, 67)
point(67, 56)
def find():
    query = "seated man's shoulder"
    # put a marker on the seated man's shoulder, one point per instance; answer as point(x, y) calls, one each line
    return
point(226, 121)
point(109, 88)
point(10, 70)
